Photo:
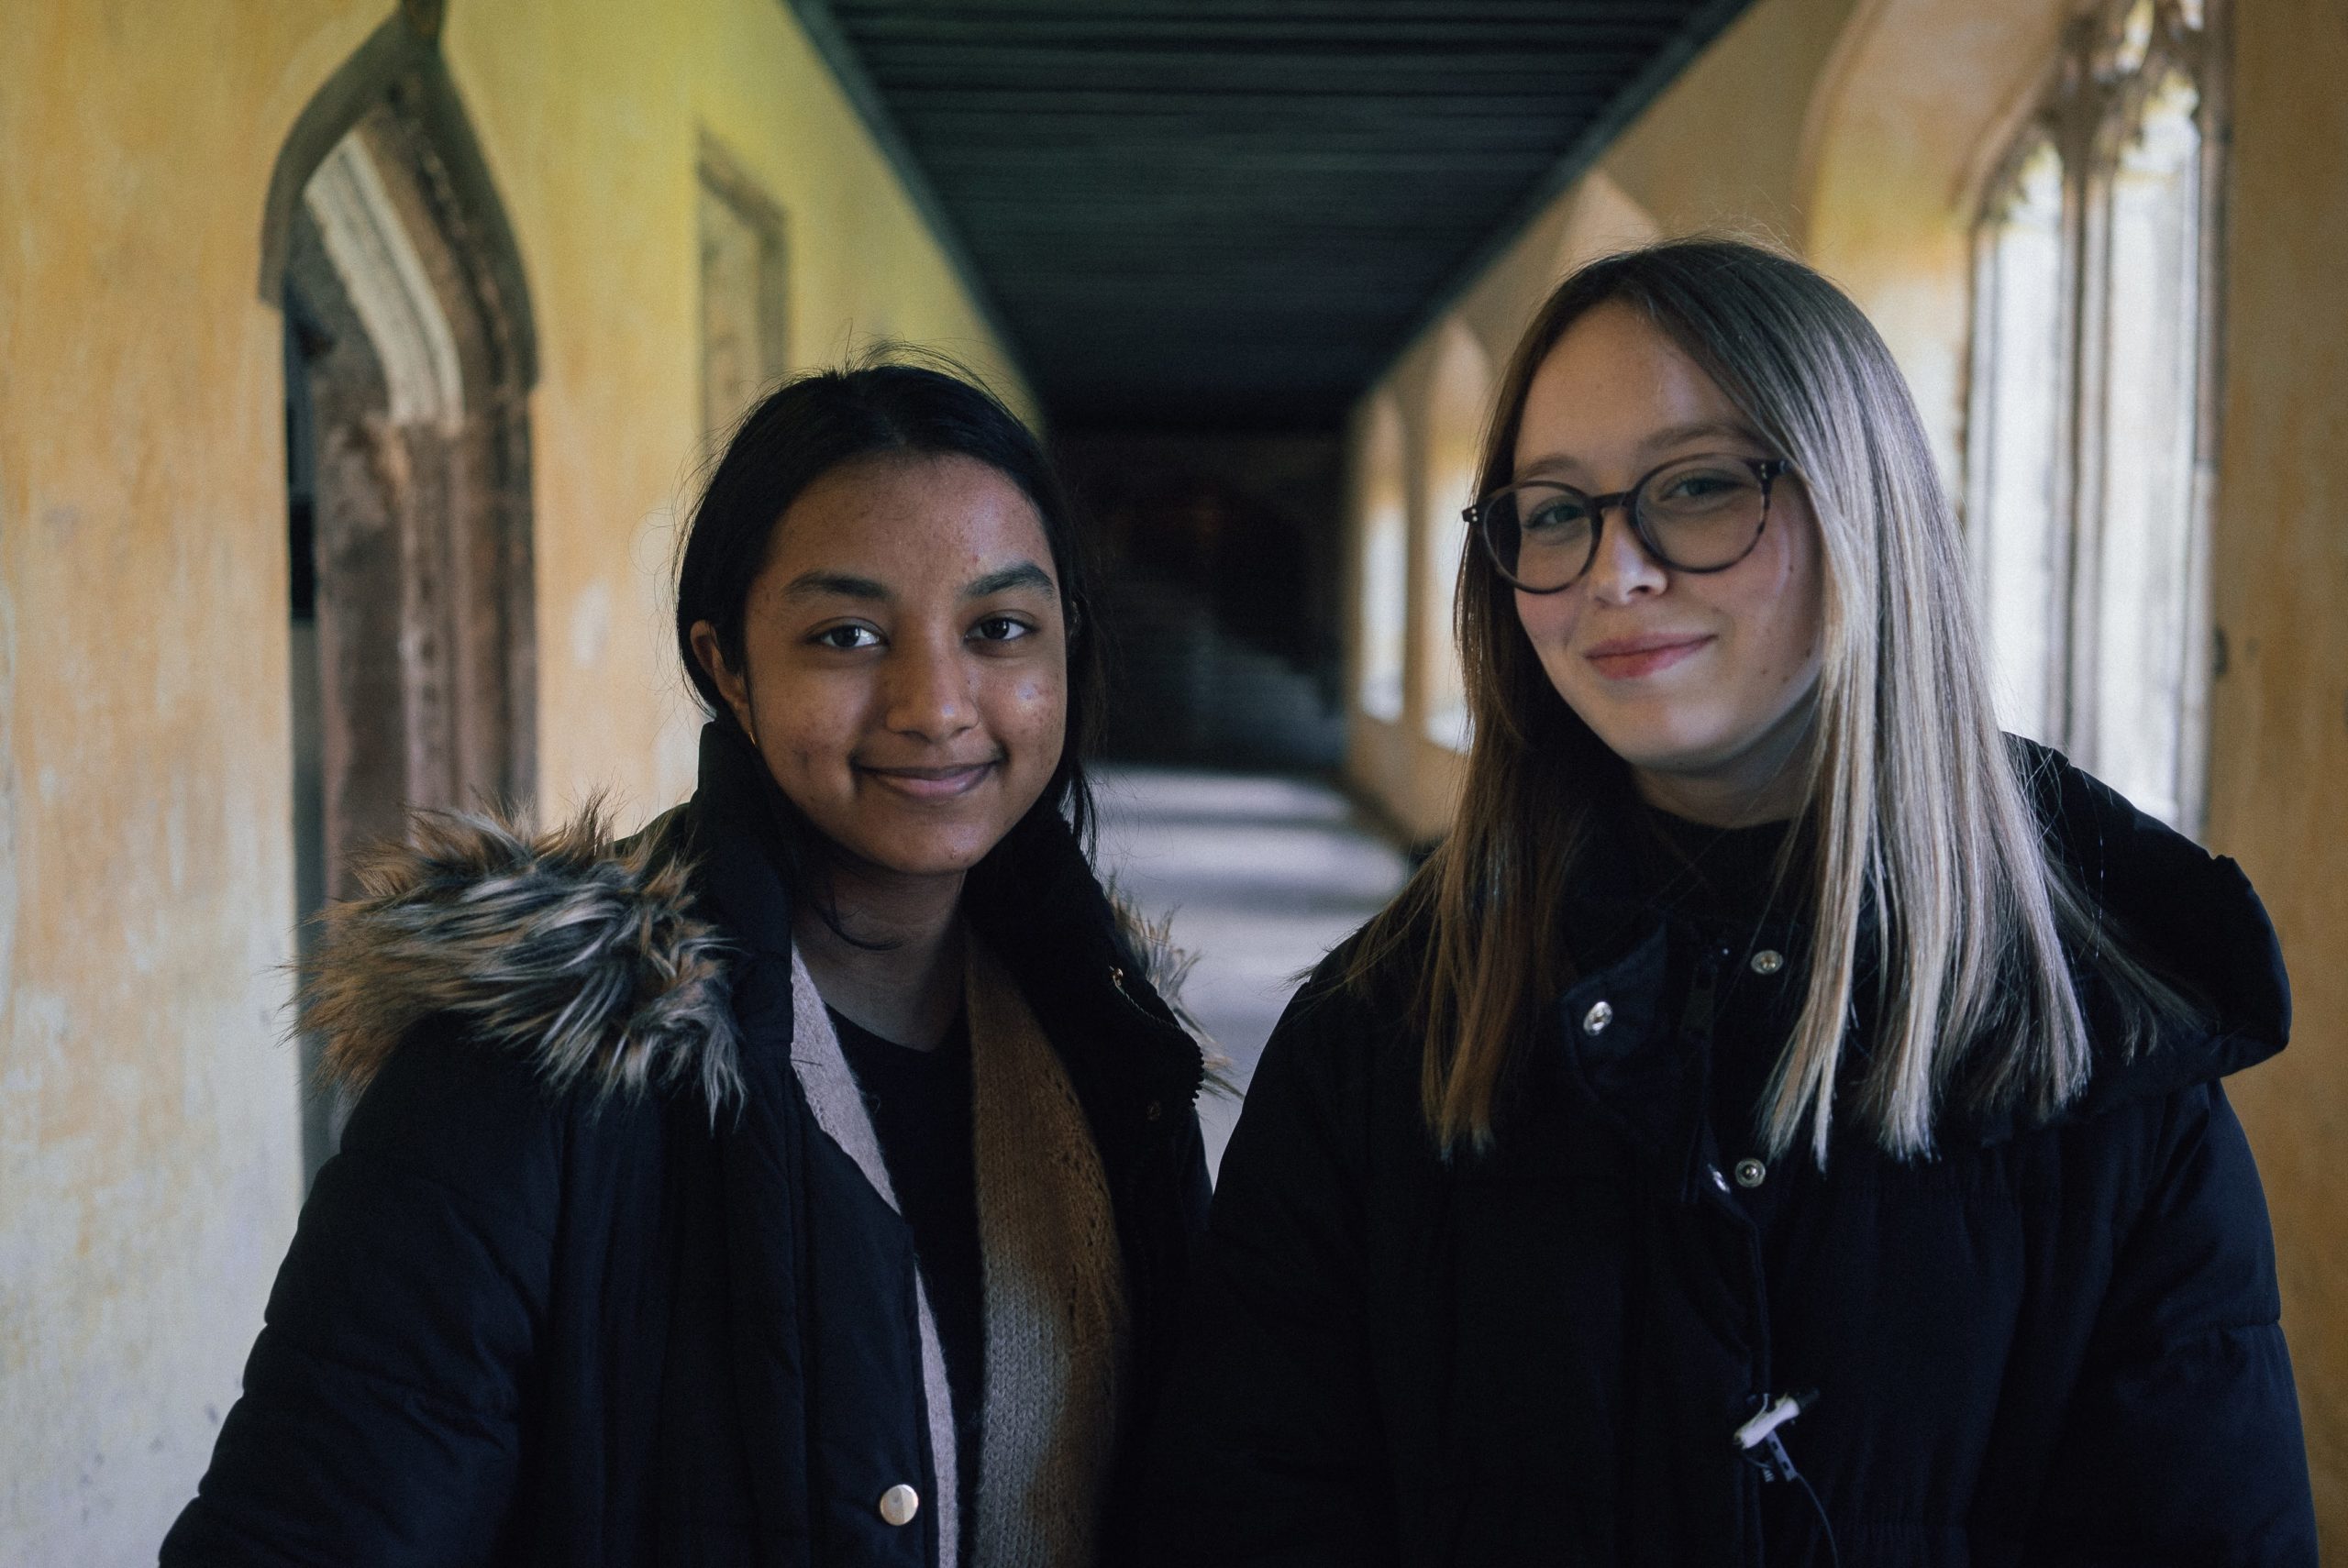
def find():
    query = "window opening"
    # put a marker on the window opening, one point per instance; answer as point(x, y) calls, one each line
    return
point(2017, 420)
point(2144, 706)
point(2086, 483)
point(1385, 570)
point(1459, 397)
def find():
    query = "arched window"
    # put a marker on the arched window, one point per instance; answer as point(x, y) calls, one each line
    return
point(1385, 564)
point(1459, 397)
point(2017, 420)
point(2087, 439)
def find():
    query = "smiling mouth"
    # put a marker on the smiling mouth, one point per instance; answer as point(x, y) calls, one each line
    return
point(942, 783)
point(1630, 658)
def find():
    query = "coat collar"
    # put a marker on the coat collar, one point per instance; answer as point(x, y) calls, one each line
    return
point(2191, 916)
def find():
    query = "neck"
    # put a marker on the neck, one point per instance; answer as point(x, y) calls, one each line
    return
point(896, 965)
point(1765, 783)
point(1712, 804)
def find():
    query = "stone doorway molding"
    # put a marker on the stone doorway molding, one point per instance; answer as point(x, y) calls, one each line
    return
point(409, 361)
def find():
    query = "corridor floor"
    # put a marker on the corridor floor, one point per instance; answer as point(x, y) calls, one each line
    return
point(1262, 875)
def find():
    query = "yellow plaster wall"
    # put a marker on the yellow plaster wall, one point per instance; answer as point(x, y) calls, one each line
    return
point(2278, 766)
point(1721, 148)
point(149, 1142)
point(591, 121)
point(149, 1159)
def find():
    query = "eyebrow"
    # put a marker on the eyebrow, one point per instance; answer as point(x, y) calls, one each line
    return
point(839, 585)
point(844, 585)
point(1669, 436)
point(1021, 574)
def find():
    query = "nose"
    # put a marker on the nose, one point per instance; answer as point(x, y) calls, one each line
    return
point(1621, 570)
point(929, 689)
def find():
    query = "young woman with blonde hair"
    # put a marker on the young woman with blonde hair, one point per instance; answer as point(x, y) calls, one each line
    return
point(1781, 1122)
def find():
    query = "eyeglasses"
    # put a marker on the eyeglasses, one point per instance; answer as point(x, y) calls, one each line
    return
point(1695, 515)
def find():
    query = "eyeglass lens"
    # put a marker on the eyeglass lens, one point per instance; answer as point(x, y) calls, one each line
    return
point(1703, 515)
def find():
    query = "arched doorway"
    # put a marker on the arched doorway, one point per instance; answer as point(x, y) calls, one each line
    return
point(408, 364)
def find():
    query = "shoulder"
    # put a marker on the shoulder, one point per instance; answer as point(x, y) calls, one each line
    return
point(2193, 914)
point(562, 965)
point(1347, 1040)
point(1356, 1000)
point(2189, 917)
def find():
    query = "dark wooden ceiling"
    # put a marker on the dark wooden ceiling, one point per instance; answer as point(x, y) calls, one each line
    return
point(1231, 213)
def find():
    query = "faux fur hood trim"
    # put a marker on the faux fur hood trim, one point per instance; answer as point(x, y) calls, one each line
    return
point(579, 954)
point(576, 952)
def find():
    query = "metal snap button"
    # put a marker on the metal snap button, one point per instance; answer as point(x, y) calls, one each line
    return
point(898, 1504)
point(1600, 1015)
point(1751, 1173)
point(1768, 961)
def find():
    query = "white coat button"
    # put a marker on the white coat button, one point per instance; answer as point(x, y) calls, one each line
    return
point(1751, 1173)
point(898, 1504)
point(1600, 1015)
point(1768, 961)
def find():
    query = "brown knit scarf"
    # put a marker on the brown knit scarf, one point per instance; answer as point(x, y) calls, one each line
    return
point(1054, 1304)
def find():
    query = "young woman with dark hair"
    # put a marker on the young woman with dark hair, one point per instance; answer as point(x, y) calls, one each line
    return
point(807, 1180)
point(1782, 1119)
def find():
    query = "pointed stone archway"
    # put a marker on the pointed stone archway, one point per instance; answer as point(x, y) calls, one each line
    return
point(409, 358)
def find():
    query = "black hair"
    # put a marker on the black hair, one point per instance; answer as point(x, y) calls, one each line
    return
point(802, 430)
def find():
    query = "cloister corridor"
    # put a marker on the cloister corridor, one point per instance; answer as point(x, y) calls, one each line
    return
point(366, 365)
point(1258, 875)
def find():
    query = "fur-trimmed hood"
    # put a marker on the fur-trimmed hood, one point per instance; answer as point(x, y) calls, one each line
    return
point(580, 953)
point(583, 954)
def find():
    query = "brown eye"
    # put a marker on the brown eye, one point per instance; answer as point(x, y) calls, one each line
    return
point(847, 638)
point(1003, 629)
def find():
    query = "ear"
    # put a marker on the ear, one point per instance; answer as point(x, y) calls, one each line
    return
point(732, 684)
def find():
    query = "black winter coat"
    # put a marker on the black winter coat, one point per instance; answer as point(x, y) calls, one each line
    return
point(532, 1321)
point(2052, 1344)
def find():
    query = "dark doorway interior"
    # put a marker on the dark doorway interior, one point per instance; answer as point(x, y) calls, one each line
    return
point(1221, 558)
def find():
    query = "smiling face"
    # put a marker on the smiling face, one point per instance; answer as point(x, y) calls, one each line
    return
point(905, 661)
point(1702, 683)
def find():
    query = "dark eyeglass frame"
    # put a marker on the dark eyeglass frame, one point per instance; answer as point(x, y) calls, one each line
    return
point(1767, 470)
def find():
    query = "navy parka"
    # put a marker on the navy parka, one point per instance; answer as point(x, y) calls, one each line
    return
point(2050, 1344)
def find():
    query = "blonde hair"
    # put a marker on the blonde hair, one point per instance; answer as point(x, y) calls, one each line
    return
point(1917, 814)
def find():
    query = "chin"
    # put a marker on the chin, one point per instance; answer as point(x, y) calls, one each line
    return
point(1663, 741)
point(905, 854)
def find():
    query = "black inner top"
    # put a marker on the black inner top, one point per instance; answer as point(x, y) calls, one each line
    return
point(920, 1105)
point(1720, 875)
